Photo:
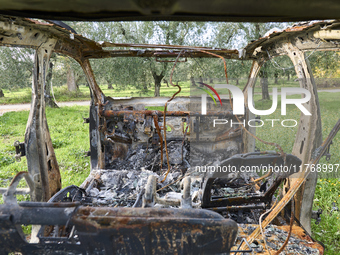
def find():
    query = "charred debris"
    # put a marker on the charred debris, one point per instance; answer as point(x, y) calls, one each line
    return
point(144, 194)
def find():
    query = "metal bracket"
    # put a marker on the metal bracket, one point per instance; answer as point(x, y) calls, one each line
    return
point(86, 120)
point(316, 215)
point(20, 150)
point(327, 154)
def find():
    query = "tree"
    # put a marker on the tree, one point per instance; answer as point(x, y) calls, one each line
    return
point(71, 81)
point(138, 71)
point(16, 66)
point(254, 31)
point(167, 33)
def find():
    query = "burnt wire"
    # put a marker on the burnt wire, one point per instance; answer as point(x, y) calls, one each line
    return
point(260, 224)
point(290, 228)
point(165, 107)
point(231, 104)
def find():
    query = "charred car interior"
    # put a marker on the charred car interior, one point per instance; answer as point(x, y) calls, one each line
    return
point(146, 157)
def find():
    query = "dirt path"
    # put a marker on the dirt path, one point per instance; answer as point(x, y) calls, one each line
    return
point(25, 107)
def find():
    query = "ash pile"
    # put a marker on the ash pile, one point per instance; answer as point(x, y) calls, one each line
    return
point(273, 238)
point(184, 188)
point(127, 188)
point(149, 157)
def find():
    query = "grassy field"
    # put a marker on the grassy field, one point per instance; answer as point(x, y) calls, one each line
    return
point(71, 141)
point(63, 95)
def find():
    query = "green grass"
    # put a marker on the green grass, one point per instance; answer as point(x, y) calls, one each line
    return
point(61, 93)
point(71, 140)
point(69, 136)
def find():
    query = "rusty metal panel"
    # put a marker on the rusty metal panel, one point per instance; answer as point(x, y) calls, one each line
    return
point(119, 230)
point(41, 159)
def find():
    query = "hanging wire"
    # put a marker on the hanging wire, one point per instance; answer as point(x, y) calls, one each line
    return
point(164, 118)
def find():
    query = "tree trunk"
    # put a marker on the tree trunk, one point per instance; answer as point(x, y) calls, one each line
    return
point(237, 83)
point(109, 85)
point(288, 76)
point(158, 79)
point(192, 82)
point(157, 89)
point(264, 85)
point(1, 93)
point(145, 86)
point(48, 98)
point(276, 75)
point(71, 81)
point(78, 79)
point(166, 82)
point(200, 80)
point(211, 80)
point(264, 82)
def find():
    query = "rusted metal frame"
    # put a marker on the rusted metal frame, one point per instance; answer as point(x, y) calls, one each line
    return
point(19, 191)
point(299, 179)
point(112, 113)
point(250, 159)
point(303, 40)
point(260, 206)
point(96, 119)
point(163, 46)
point(150, 53)
point(231, 202)
point(309, 129)
point(69, 48)
point(145, 226)
point(17, 35)
point(9, 195)
point(308, 136)
point(135, 230)
point(41, 160)
point(97, 93)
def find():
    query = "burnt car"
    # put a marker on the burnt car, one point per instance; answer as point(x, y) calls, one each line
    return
point(203, 212)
